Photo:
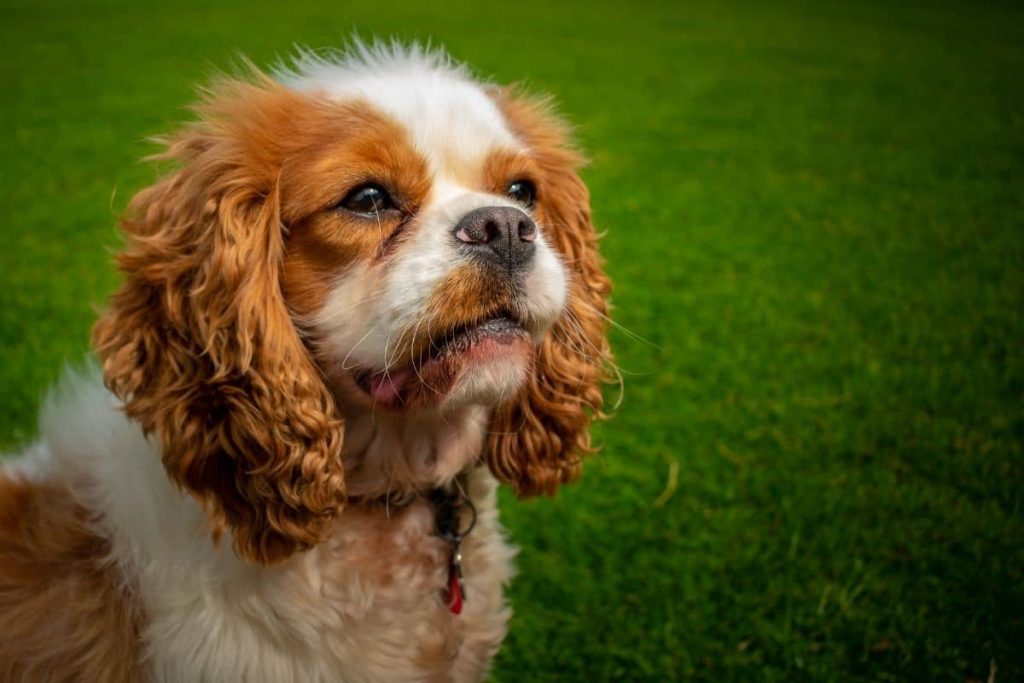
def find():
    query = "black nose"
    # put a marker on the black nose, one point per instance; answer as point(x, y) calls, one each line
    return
point(499, 234)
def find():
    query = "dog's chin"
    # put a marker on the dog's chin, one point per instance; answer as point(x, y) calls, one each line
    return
point(491, 376)
point(482, 365)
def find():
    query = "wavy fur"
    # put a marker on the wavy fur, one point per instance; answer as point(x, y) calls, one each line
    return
point(200, 345)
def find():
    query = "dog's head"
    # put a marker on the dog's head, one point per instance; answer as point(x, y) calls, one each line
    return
point(370, 232)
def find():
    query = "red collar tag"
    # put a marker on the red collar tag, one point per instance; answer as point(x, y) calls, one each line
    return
point(455, 588)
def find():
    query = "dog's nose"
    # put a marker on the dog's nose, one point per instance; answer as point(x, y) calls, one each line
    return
point(500, 234)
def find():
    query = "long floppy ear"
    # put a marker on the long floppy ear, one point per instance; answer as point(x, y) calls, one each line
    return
point(199, 345)
point(537, 441)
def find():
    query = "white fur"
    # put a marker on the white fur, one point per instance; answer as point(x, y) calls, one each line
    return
point(490, 384)
point(421, 89)
point(329, 614)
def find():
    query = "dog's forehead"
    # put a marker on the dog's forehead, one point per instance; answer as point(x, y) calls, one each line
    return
point(450, 118)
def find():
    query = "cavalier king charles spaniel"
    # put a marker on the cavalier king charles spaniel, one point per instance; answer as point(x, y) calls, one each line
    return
point(366, 292)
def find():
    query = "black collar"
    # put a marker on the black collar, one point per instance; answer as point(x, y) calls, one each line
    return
point(448, 504)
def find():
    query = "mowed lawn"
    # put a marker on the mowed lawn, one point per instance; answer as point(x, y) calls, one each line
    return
point(814, 218)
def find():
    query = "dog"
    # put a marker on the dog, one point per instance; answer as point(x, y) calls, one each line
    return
point(367, 291)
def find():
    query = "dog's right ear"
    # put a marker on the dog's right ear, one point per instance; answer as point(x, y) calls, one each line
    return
point(198, 342)
point(537, 442)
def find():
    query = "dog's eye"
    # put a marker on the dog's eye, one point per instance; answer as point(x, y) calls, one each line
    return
point(368, 200)
point(523, 192)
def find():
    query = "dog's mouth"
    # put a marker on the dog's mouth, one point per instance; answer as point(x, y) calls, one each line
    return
point(496, 349)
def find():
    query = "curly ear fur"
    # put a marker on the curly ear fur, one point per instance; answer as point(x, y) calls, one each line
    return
point(199, 344)
point(536, 442)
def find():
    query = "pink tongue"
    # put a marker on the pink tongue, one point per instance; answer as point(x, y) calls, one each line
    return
point(386, 387)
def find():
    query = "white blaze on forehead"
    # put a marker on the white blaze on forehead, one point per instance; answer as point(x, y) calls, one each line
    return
point(450, 118)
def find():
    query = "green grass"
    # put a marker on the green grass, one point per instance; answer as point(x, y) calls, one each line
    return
point(815, 219)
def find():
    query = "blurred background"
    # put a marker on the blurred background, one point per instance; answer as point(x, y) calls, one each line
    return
point(814, 220)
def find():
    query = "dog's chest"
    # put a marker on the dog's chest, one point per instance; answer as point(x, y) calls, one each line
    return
point(368, 605)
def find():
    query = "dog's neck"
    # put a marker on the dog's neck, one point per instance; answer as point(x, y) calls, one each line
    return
point(390, 454)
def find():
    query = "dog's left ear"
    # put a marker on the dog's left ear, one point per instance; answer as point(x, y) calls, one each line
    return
point(199, 343)
point(537, 441)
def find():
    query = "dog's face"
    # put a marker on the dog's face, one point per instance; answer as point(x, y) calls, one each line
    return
point(418, 258)
point(375, 232)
